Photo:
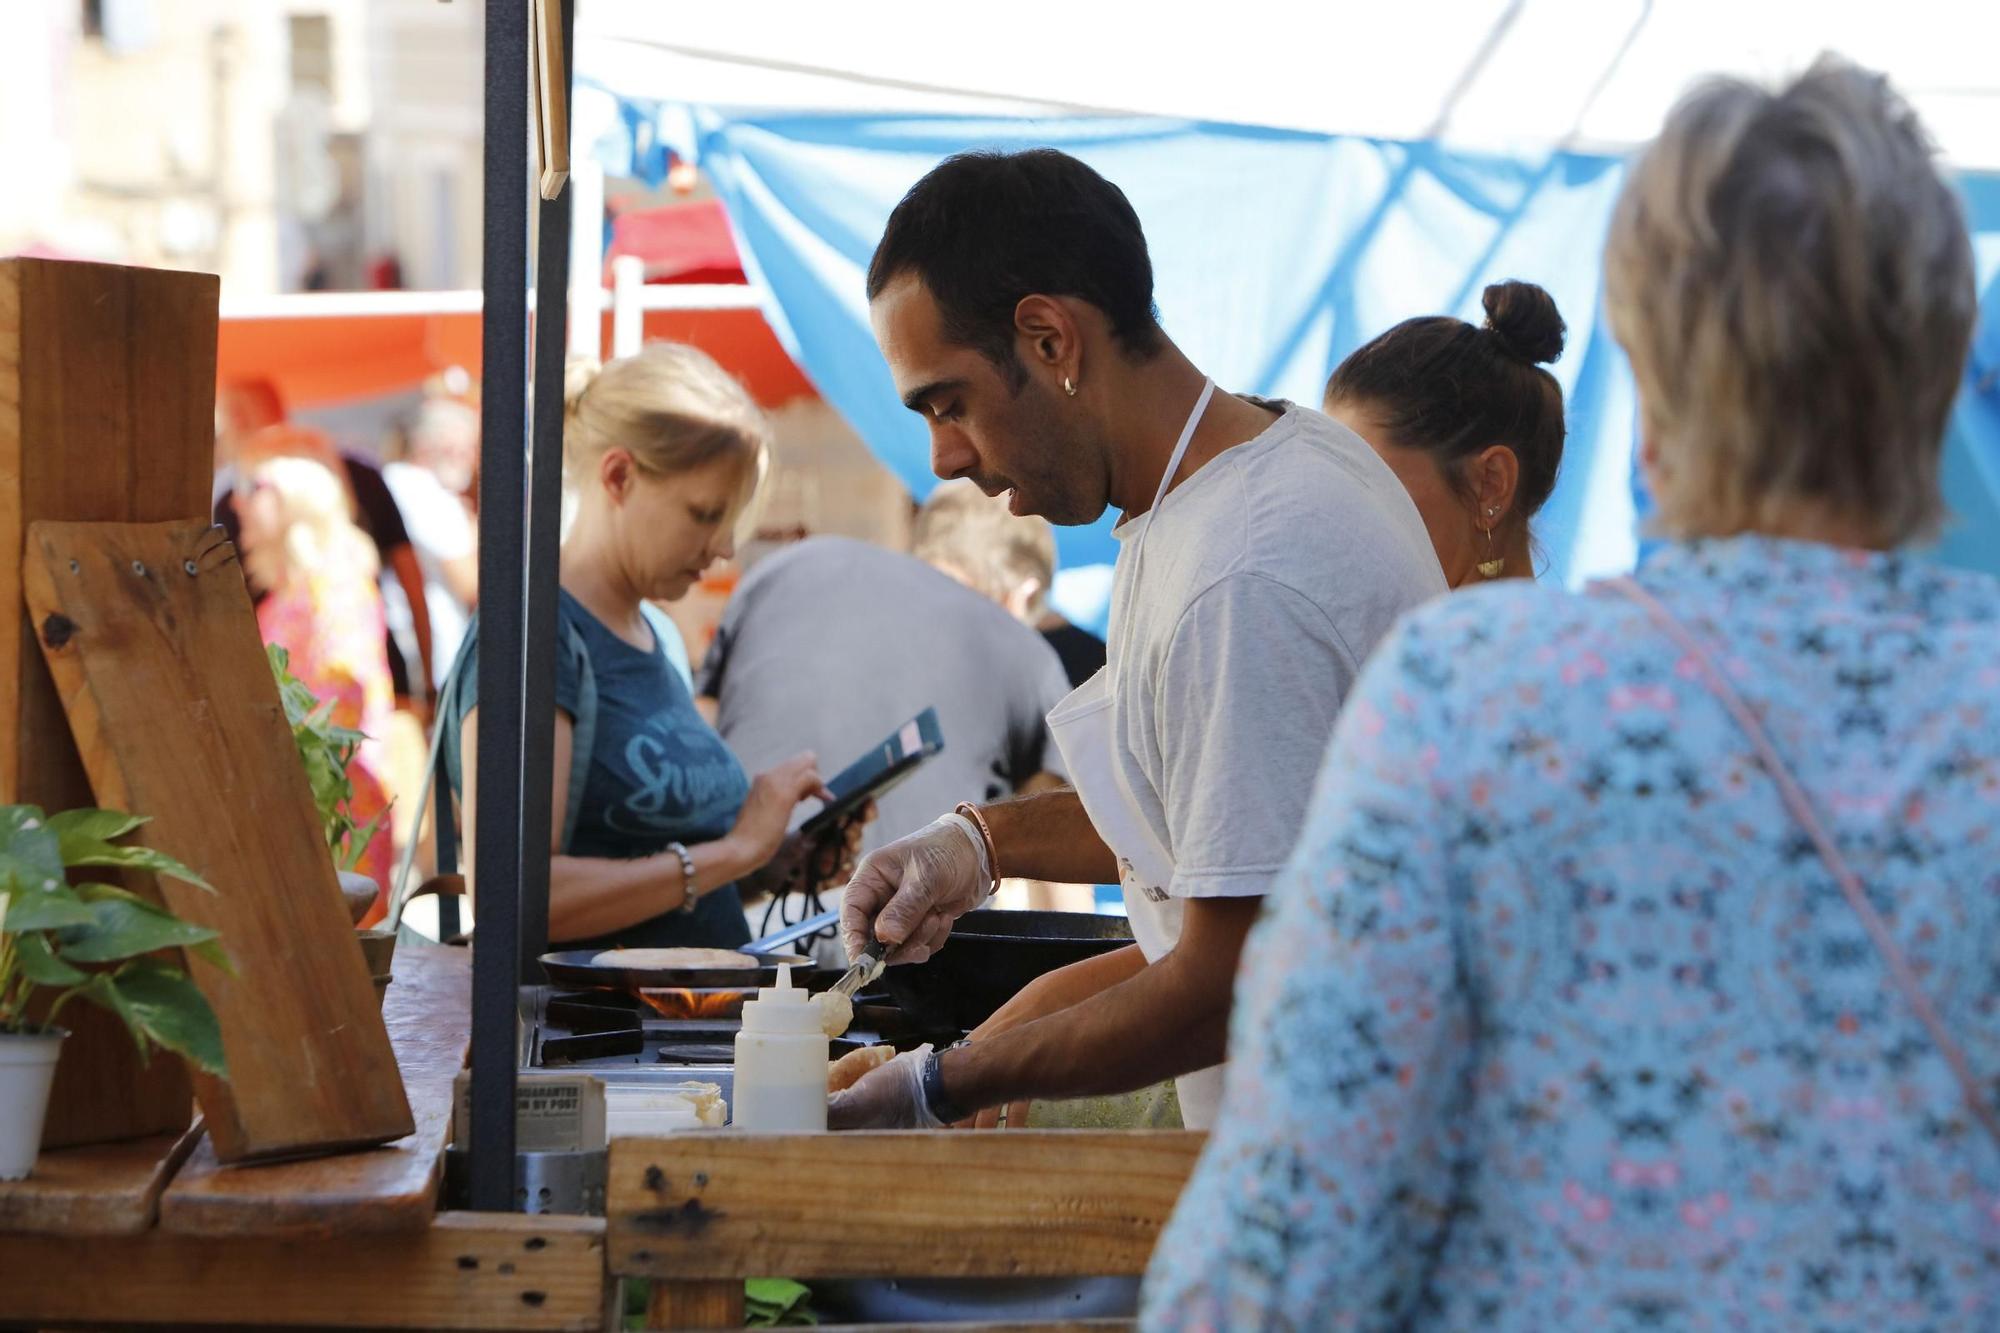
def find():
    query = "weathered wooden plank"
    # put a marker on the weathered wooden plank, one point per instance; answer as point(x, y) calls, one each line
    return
point(466, 1271)
point(107, 412)
point(1041, 1203)
point(106, 1189)
point(429, 1013)
point(695, 1305)
point(149, 633)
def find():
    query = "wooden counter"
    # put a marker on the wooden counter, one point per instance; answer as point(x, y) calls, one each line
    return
point(353, 1240)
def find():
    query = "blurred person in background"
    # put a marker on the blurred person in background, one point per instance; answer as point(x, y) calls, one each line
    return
point(657, 830)
point(252, 427)
point(1635, 965)
point(322, 606)
point(428, 472)
point(833, 643)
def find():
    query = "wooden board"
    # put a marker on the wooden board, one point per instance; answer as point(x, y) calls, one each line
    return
point(429, 1013)
point(1023, 1203)
point(106, 1189)
point(149, 633)
point(107, 412)
point(466, 1271)
point(689, 1305)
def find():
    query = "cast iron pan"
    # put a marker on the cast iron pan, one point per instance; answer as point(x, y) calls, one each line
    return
point(575, 968)
point(990, 956)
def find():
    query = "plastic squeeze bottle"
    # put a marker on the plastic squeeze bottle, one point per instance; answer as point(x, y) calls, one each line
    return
point(781, 1061)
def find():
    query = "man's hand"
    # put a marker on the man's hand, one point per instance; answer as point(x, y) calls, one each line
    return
point(909, 892)
point(891, 1097)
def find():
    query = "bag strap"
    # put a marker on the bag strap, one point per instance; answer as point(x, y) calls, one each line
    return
point(583, 734)
point(1801, 808)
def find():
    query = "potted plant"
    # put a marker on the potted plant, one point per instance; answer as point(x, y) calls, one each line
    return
point(326, 749)
point(88, 941)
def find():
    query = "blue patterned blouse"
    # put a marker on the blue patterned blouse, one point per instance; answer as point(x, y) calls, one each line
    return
point(1555, 1020)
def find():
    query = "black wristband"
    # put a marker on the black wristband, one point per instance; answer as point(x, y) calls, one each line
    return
point(936, 1100)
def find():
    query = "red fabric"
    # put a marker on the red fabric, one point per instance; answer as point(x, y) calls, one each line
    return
point(679, 243)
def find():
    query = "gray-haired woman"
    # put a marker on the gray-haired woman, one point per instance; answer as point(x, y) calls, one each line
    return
point(1635, 968)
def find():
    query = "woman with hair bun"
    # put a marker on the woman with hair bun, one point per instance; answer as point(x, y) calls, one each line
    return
point(1470, 422)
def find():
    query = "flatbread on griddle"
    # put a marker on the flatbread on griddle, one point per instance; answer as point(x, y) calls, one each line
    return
point(675, 960)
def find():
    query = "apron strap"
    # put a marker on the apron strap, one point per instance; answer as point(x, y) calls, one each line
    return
point(1802, 810)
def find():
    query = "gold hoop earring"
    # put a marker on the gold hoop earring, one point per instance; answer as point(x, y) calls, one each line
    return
point(1069, 386)
point(1494, 565)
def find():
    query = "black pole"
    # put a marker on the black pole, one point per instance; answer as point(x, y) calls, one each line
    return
point(502, 481)
point(544, 535)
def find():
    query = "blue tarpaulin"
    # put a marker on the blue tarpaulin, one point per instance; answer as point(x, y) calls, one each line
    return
point(1275, 254)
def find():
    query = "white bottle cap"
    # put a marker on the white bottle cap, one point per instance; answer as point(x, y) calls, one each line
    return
point(783, 1008)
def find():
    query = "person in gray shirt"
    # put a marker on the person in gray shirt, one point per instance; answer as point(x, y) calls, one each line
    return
point(830, 644)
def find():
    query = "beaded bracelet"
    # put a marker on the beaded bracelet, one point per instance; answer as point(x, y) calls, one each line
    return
point(688, 895)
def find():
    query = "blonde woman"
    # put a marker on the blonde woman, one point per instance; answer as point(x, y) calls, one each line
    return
point(655, 823)
point(323, 607)
point(1635, 967)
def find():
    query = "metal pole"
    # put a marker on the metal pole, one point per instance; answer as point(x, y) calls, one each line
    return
point(538, 687)
point(502, 481)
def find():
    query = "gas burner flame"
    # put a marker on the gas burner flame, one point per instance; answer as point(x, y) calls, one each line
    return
point(696, 1003)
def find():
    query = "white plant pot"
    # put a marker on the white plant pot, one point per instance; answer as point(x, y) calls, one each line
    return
point(27, 1072)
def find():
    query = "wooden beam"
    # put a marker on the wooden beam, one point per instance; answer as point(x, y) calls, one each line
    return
point(108, 1189)
point(428, 1009)
point(467, 1271)
point(1024, 1203)
point(695, 1305)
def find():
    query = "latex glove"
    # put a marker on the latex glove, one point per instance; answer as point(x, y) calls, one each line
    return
point(908, 893)
point(891, 1097)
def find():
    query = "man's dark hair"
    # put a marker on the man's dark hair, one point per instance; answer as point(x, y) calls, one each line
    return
point(984, 230)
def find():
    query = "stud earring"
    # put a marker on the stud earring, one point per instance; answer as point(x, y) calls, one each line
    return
point(1069, 386)
point(1494, 565)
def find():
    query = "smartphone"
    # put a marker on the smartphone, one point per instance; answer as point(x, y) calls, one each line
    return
point(878, 771)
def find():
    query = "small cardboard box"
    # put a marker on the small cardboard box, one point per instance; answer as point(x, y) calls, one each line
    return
point(554, 1111)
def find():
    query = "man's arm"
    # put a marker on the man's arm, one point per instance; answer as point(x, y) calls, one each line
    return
point(1172, 1018)
point(1049, 837)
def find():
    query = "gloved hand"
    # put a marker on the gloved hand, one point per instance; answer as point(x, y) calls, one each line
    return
point(891, 1097)
point(908, 893)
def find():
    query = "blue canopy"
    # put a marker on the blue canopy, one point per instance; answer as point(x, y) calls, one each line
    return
point(1275, 253)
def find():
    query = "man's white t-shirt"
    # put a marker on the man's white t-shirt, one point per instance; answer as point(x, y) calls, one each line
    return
point(1265, 580)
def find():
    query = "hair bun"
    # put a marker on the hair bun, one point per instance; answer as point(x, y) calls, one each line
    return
point(579, 372)
point(1525, 320)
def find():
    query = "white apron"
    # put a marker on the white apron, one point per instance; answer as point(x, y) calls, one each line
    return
point(1081, 726)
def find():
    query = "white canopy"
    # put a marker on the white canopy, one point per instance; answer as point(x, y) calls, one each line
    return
point(1498, 74)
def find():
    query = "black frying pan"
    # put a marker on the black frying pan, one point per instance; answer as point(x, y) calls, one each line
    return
point(575, 968)
point(989, 957)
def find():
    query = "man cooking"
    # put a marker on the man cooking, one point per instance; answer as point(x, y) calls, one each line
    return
point(1263, 551)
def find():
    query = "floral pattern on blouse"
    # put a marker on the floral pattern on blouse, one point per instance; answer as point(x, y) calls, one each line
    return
point(1556, 1021)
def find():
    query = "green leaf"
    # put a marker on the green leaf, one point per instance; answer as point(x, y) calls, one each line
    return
point(101, 990)
point(39, 964)
point(126, 928)
point(47, 909)
point(171, 1011)
point(138, 858)
point(30, 856)
point(80, 830)
point(212, 953)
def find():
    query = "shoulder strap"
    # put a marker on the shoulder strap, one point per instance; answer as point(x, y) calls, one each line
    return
point(1801, 808)
point(442, 760)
